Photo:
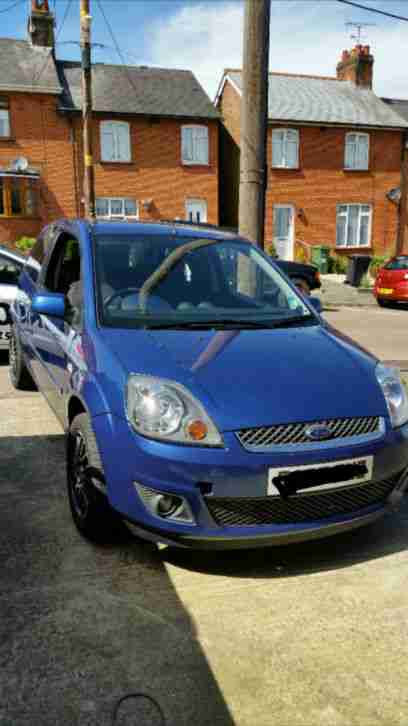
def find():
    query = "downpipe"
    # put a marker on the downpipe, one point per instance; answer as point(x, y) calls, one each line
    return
point(394, 501)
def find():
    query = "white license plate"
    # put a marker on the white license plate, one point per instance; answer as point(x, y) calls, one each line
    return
point(5, 334)
point(349, 473)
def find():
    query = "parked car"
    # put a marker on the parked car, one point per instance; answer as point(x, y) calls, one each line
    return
point(202, 414)
point(391, 283)
point(11, 264)
point(306, 277)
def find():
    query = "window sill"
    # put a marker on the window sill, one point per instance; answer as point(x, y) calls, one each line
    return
point(195, 163)
point(285, 168)
point(353, 248)
point(117, 161)
point(8, 139)
point(345, 169)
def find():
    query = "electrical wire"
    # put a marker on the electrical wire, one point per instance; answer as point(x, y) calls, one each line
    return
point(373, 10)
point(37, 77)
point(11, 7)
point(117, 47)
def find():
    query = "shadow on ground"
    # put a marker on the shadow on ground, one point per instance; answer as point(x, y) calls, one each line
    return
point(83, 626)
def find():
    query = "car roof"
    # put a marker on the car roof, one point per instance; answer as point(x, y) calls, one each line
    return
point(179, 229)
point(13, 254)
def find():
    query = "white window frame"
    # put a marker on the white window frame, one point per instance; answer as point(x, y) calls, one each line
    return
point(285, 132)
point(196, 161)
point(345, 214)
point(359, 138)
point(5, 119)
point(196, 201)
point(118, 216)
point(117, 157)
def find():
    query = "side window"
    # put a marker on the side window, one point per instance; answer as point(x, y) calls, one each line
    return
point(64, 275)
point(9, 271)
point(39, 252)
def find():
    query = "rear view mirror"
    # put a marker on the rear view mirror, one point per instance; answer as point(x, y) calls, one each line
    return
point(317, 303)
point(50, 303)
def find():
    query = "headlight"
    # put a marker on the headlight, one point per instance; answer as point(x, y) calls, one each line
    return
point(394, 392)
point(161, 409)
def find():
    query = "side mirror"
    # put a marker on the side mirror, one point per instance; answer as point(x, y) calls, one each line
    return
point(317, 304)
point(51, 303)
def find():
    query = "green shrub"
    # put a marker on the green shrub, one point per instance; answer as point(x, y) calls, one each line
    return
point(25, 243)
point(366, 281)
point(376, 262)
point(338, 264)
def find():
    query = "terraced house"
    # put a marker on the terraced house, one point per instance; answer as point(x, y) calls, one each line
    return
point(334, 159)
point(155, 136)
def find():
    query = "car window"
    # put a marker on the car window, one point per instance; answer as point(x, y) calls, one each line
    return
point(39, 252)
point(143, 279)
point(63, 275)
point(9, 271)
point(399, 263)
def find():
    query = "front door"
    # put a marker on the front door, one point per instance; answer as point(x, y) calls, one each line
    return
point(196, 210)
point(283, 230)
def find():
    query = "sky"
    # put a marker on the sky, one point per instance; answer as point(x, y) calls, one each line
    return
point(307, 36)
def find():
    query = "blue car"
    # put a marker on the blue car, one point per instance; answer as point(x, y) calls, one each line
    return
point(204, 399)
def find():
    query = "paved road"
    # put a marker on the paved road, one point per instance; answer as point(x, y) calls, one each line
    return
point(311, 635)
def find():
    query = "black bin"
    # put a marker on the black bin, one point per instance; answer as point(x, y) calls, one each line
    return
point(357, 268)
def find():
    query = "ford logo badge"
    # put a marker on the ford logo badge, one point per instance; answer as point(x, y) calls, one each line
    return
point(318, 433)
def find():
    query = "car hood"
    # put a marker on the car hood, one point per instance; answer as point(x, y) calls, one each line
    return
point(257, 377)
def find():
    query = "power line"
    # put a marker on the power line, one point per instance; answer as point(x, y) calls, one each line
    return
point(14, 5)
point(37, 77)
point(117, 47)
point(373, 10)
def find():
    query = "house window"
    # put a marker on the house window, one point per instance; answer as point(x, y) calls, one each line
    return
point(196, 211)
point(357, 151)
point(18, 197)
point(353, 225)
point(116, 208)
point(285, 148)
point(4, 118)
point(115, 141)
point(194, 144)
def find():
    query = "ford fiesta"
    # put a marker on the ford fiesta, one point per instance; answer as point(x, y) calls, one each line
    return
point(205, 401)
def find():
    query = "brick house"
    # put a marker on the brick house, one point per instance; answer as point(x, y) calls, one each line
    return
point(333, 156)
point(155, 136)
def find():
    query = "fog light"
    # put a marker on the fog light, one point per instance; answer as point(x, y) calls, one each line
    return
point(165, 505)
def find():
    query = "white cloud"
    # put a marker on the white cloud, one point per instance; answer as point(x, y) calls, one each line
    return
point(306, 38)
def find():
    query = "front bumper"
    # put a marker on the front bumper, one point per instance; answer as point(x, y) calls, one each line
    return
point(234, 474)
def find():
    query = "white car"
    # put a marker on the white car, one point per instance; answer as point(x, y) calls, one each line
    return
point(11, 264)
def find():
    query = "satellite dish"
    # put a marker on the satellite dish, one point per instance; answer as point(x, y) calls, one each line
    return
point(20, 164)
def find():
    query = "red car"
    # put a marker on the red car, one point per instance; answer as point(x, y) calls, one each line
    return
point(391, 284)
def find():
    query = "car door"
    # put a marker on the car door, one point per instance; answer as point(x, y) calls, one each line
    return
point(53, 337)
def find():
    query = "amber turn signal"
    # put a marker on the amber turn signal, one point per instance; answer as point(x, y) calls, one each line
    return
point(197, 430)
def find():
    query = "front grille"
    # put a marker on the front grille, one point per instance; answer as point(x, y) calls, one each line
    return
point(255, 511)
point(283, 434)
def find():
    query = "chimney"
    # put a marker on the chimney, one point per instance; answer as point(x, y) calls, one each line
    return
point(357, 66)
point(41, 24)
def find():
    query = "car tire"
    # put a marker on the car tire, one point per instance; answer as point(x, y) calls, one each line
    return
point(384, 303)
point(302, 285)
point(19, 374)
point(93, 516)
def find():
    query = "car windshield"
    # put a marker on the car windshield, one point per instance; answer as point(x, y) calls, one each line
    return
point(398, 263)
point(177, 281)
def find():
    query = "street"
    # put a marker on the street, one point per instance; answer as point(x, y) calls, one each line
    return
point(308, 635)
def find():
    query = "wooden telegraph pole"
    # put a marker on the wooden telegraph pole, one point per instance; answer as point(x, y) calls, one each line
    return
point(254, 120)
point(86, 63)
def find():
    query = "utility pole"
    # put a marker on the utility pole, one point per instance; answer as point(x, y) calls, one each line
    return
point(86, 63)
point(254, 120)
point(403, 205)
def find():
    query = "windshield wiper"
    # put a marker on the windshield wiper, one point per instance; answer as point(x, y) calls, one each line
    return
point(222, 323)
point(295, 320)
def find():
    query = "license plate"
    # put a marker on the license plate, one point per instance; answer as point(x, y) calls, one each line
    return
point(385, 290)
point(5, 334)
point(291, 480)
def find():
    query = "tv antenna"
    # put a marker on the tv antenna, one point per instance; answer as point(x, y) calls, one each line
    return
point(358, 30)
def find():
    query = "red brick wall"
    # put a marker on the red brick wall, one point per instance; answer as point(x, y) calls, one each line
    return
point(321, 183)
point(156, 171)
point(43, 137)
point(47, 140)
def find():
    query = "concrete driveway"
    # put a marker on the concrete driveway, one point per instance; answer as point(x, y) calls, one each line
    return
point(310, 635)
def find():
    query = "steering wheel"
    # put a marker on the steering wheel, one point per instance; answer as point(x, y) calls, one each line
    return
point(123, 292)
